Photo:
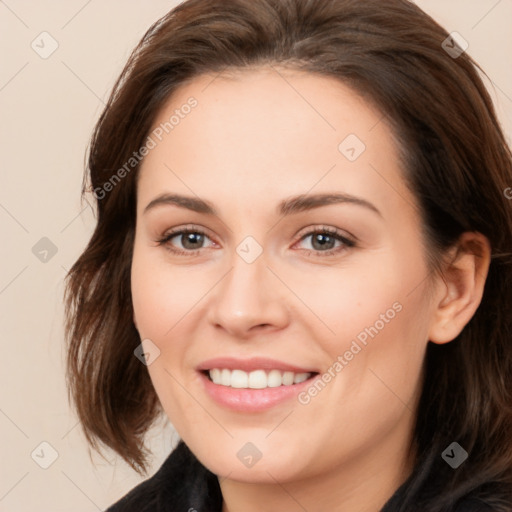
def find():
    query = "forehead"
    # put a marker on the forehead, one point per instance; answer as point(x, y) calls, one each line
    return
point(269, 129)
point(269, 99)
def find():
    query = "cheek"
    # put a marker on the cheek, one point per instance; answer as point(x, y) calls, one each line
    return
point(372, 325)
point(162, 294)
point(368, 295)
point(161, 297)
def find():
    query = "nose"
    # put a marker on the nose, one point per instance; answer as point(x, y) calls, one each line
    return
point(248, 299)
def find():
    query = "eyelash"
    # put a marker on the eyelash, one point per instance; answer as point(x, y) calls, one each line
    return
point(334, 233)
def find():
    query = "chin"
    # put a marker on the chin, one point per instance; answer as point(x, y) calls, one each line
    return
point(251, 463)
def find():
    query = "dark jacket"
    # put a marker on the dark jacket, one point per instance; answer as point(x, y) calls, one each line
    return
point(183, 484)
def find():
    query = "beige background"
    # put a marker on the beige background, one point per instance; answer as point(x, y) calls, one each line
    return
point(48, 109)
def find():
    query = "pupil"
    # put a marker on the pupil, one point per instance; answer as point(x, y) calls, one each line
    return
point(192, 238)
point(322, 240)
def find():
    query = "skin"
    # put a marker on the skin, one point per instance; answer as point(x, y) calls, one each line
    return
point(255, 138)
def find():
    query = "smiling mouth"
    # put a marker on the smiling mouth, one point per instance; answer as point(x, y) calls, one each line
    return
point(256, 379)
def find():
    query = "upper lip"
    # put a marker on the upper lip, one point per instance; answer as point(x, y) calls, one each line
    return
point(248, 365)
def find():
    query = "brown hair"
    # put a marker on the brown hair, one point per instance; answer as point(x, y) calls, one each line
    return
point(457, 164)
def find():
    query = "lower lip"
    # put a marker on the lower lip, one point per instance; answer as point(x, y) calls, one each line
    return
point(251, 400)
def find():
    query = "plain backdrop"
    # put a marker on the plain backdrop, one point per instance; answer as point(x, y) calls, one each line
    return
point(49, 103)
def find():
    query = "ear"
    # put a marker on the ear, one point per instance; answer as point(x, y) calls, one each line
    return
point(460, 287)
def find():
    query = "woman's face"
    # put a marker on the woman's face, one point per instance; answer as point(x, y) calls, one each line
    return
point(254, 299)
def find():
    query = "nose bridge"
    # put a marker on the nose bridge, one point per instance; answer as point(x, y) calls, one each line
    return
point(248, 295)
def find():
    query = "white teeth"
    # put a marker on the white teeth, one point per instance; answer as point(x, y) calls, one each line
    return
point(215, 376)
point(274, 379)
point(257, 379)
point(225, 378)
point(300, 377)
point(288, 378)
point(239, 379)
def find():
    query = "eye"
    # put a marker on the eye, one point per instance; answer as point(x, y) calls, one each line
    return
point(191, 240)
point(324, 240)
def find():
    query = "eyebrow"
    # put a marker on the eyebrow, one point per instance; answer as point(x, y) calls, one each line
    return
point(288, 206)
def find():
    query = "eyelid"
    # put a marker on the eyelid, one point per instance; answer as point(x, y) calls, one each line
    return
point(322, 228)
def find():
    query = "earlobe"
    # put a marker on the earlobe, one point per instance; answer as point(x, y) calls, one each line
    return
point(461, 287)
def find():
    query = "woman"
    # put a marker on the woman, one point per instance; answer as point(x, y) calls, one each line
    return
point(302, 259)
